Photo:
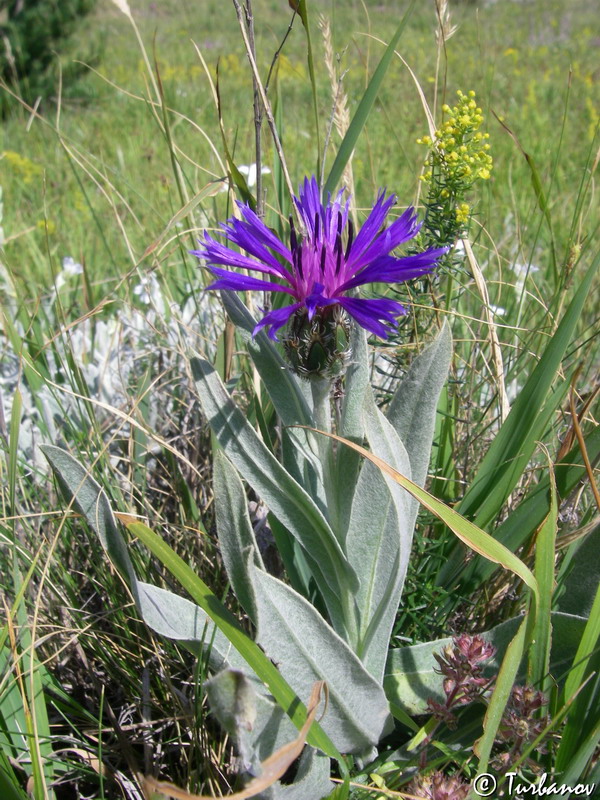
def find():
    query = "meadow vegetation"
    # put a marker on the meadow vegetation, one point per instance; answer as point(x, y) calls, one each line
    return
point(105, 187)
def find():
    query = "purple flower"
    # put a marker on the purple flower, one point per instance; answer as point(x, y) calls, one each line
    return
point(324, 263)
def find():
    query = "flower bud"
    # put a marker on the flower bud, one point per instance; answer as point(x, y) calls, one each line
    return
point(319, 347)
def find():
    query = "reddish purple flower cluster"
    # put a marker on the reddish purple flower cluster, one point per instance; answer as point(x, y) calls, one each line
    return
point(461, 664)
point(324, 262)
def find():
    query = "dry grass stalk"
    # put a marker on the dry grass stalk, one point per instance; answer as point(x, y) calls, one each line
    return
point(445, 27)
point(340, 113)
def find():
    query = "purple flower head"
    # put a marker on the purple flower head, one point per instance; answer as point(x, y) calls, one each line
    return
point(324, 264)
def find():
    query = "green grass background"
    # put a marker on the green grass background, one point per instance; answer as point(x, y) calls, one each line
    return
point(533, 64)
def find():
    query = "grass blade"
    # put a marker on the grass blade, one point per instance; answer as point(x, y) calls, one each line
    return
point(504, 683)
point(539, 660)
point(364, 109)
point(523, 521)
point(514, 444)
point(585, 707)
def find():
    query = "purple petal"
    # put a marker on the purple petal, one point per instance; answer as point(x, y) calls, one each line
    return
point(315, 300)
point(264, 233)
point(389, 269)
point(237, 282)
point(309, 204)
point(214, 252)
point(369, 313)
point(400, 231)
point(276, 319)
point(371, 225)
point(246, 236)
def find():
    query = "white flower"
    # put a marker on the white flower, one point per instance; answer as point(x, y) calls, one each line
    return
point(71, 267)
point(498, 311)
point(250, 171)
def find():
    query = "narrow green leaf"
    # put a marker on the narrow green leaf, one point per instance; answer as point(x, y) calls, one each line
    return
point(545, 557)
point(519, 527)
point(303, 14)
point(582, 574)
point(578, 762)
point(504, 684)
point(210, 189)
point(586, 706)
point(13, 450)
point(364, 108)
point(229, 626)
point(9, 785)
point(515, 442)
point(540, 194)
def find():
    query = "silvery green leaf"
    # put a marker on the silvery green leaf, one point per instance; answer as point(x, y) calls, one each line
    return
point(307, 649)
point(413, 406)
point(412, 673)
point(287, 500)
point(177, 618)
point(348, 461)
point(259, 727)
point(379, 539)
point(312, 778)
point(303, 465)
point(166, 613)
point(234, 529)
point(232, 699)
point(356, 384)
point(90, 500)
point(291, 396)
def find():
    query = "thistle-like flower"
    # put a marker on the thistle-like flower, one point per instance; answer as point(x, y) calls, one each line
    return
point(319, 270)
point(438, 786)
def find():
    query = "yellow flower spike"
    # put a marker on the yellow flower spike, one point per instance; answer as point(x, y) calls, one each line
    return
point(471, 93)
